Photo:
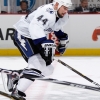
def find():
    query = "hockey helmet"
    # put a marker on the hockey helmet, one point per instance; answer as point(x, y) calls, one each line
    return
point(66, 3)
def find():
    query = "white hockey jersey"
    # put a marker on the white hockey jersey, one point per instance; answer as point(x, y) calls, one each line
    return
point(40, 22)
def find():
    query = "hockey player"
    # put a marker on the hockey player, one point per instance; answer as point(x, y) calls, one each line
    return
point(37, 50)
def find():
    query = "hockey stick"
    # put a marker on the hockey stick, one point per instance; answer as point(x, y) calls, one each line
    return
point(87, 78)
point(57, 82)
point(71, 84)
point(53, 80)
point(9, 96)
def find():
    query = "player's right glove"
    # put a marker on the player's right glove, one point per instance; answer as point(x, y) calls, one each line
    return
point(48, 50)
point(63, 41)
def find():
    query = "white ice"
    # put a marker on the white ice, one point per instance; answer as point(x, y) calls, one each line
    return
point(39, 90)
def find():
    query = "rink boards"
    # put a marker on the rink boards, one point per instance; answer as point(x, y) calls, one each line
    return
point(83, 30)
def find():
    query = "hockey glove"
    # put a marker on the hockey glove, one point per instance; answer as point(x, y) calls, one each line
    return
point(48, 50)
point(63, 43)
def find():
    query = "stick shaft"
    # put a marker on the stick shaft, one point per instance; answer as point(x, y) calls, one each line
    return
point(71, 84)
point(87, 78)
point(49, 80)
point(9, 96)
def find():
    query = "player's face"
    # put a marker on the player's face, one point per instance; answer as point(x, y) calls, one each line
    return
point(62, 11)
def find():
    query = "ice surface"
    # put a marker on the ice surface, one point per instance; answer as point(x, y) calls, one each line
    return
point(39, 90)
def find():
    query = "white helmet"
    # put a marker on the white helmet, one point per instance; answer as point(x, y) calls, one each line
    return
point(66, 3)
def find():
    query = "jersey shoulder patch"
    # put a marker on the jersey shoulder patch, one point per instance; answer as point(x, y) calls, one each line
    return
point(50, 10)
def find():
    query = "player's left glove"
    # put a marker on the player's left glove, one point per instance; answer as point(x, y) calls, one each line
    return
point(63, 43)
point(48, 50)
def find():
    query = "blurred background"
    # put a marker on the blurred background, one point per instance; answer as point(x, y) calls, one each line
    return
point(12, 6)
point(83, 26)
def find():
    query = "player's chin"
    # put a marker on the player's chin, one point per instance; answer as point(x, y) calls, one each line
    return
point(62, 15)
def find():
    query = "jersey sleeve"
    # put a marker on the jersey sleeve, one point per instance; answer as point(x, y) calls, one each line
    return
point(39, 23)
point(61, 23)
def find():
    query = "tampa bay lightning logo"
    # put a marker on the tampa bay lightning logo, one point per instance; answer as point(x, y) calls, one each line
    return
point(50, 10)
point(31, 3)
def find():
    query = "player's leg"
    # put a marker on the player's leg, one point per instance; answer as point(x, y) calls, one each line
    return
point(32, 71)
point(19, 42)
point(38, 68)
point(46, 70)
point(26, 50)
point(34, 68)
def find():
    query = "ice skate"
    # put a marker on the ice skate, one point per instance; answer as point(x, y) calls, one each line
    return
point(11, 81)
point(18, 94)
